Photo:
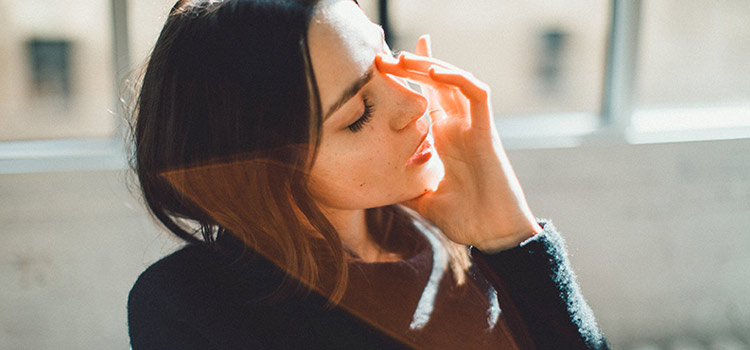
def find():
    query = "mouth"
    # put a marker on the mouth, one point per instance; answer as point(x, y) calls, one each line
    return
point(423, 153)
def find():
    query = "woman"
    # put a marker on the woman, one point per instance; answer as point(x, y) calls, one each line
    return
point(334, 204)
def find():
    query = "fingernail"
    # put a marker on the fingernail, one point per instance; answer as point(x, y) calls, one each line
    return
point(428, 42)
point(406, 55)
point(385, 58)
point(389, 59)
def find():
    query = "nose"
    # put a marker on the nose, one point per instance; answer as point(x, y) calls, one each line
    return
point(408, 105)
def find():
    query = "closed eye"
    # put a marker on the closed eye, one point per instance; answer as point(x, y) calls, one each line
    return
point(364, 119)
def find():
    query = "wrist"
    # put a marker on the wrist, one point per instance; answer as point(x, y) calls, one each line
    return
point(509, 241)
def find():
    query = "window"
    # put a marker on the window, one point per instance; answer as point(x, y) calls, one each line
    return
point(694, 53)
point(539, 57)
point(56, 70)
point(145, 20)
point(693, 70)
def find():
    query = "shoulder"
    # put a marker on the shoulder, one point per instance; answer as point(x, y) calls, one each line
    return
point(158, 299)
point(197, 296)
point(192, 262)
point(197, 272)
point(188, 258)
point(173, 283)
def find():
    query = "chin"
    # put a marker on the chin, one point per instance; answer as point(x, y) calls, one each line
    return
point(431, 175)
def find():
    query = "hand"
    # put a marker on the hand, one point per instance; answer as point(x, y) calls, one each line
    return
point(479, 201)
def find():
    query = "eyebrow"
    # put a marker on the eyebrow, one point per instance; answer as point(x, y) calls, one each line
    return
point(350, 92)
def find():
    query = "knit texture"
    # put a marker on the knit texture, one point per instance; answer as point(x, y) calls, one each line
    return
point(543, 287)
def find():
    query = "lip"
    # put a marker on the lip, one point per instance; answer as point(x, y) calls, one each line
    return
point(423, 152)
point(421, 142)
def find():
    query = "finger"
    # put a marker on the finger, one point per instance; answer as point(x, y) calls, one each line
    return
point(407, 67)
point(459, 104)
point(391, 66)
point(477, 92)
point(414, 62)
point(424, 46)
point(429, 87)
point(472, 88)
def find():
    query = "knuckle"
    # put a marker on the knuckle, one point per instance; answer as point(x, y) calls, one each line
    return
point(483, 91)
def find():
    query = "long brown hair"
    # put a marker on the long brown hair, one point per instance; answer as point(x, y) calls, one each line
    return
point(225, 127)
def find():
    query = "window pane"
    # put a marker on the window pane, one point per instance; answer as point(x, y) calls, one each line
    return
point(694, 53)
point(145, 20)
point(537, 56)
point(56, 69)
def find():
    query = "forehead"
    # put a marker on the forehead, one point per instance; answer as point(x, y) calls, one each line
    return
point(343, 43)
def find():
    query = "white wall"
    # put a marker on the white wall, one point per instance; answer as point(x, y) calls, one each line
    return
point(71, 247)
point(659, 235)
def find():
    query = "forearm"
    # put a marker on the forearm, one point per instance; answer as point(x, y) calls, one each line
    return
point(542, 286)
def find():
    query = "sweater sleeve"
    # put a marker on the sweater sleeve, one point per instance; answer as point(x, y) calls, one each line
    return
point(542, 287)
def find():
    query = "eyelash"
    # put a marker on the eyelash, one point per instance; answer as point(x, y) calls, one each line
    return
point(366, 116)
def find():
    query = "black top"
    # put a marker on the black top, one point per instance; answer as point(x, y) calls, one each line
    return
point(525, 297)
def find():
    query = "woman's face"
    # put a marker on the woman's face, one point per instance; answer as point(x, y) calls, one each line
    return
point(372, 151)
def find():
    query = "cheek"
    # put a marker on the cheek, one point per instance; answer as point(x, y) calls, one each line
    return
point(357, 156)
point(354, 174)
point(370, 163)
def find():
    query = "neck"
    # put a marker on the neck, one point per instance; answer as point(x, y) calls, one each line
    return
point(355, 235)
